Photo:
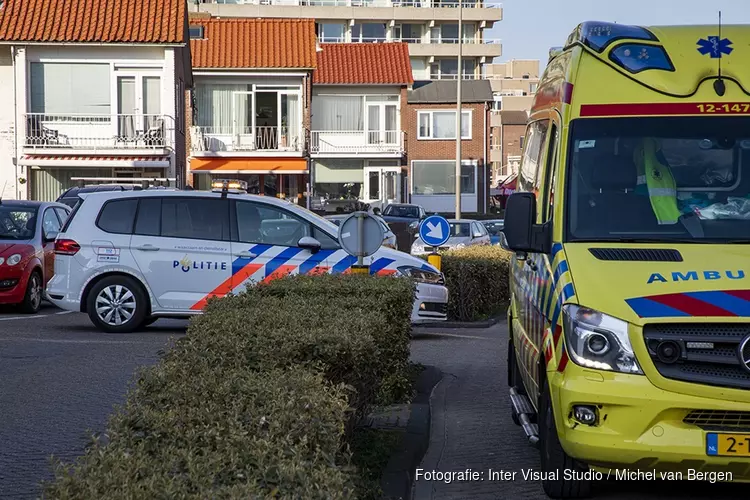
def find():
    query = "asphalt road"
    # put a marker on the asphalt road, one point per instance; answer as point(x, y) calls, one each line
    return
point(472, 429)
point(59, 381)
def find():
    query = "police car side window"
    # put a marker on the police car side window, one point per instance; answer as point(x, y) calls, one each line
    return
point(195, 218)
point(270, 225)
point(117, 216)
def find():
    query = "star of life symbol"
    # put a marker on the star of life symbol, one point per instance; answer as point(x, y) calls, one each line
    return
point(715, 46)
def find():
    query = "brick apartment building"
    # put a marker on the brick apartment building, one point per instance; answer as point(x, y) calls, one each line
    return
point(430, 127)
point(507, 143)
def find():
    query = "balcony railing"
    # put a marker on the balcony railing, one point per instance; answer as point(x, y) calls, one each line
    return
point(453, 76)
point(426, 41)
point(429, 4)
point(96, 132)
point(246, 139)
point(357, 142)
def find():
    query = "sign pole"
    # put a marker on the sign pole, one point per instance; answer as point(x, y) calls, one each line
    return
point(435, 259)
point(360, 267)
point(458, 110)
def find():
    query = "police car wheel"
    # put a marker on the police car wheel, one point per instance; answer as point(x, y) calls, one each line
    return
point(117, 304)
point(558, 466)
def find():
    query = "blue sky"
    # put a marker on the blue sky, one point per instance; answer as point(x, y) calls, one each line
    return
point(530, 27)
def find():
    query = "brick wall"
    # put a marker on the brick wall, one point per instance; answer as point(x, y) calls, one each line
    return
point(511, 140)
point(444, 150)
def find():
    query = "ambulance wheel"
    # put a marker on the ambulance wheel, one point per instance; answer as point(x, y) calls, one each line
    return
point(514, 379)
point(117, 304)
point(555, 462)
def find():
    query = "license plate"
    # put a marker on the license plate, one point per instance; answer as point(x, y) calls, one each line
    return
point(728, 445)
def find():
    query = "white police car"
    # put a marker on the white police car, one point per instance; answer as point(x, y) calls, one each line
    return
point(132, 257)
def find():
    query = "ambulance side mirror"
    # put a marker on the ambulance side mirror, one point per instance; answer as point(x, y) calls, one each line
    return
point(522, 234)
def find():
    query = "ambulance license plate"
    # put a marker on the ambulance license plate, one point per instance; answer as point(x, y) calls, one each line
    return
point(727, 445)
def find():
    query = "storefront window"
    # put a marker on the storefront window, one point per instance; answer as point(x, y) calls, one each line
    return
point(439, 177)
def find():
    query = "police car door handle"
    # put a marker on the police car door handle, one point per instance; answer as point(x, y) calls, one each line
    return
point(147, 248)
point(245, 255)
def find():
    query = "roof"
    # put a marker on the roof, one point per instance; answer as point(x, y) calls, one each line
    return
point(254, 43)
point(445, 91)
point(364, 63)
point(93, 21)
point(514, 117)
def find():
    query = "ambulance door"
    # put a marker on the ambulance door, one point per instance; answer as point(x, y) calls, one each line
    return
point(182, 248)
point(270, 242)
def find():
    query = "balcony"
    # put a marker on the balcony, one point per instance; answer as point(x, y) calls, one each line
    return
point(96, 134)
point(422, 4)
point(378, 143)
point(224, 141)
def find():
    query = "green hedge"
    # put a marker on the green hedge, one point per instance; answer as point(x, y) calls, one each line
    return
point(477, 278)
point(258, 399)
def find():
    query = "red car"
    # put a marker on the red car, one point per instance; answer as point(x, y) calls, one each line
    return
point(27, 250)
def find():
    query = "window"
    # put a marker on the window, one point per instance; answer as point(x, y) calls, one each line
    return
point(219, 107)
point(269, 225)
point(118, 216)
point(148, 222)
point(337, 180)
point(196, 32)
point(549, 197)
point(195, 218)
point(442, 125)
point(50, 223)
point(17, 223)
point(530, 174)
point(338, 112)
point(331, 32)
point(439, 177)
point(610, 163)
point(56, 88)
point(62, 214)
point(368, 32)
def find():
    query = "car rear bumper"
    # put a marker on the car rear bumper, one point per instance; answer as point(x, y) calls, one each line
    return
point(430, 304)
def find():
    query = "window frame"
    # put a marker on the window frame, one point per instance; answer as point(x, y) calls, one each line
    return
point(57, 218)
point(431, 113)
point(115, 200)
point(170, 198)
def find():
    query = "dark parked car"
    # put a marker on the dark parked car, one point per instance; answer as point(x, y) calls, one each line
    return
point(70, 196)
point(494, 227)
point(27, 250)
point(403, 212)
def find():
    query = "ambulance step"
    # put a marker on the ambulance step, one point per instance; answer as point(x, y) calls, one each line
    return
point(523, 409)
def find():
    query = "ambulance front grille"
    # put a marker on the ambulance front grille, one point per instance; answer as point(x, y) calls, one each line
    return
point(708, 353)
point(637, 254)
point(719, 420)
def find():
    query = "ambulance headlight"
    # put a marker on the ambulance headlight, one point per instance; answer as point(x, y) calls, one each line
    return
point(421, 275)
point(595, 340)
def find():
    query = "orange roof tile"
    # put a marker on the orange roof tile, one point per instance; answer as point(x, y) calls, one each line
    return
point(254, 43)
point(93, 21)
point(364, 63)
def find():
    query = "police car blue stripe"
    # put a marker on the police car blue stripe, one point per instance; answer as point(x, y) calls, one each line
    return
point(241, 262)
point(646, 308)
point(281, 259)
point(735, 305)
point(344, 264)
point(380, 264)
point(314, 261)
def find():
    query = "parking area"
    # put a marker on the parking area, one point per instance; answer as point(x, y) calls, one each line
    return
point(60, 379)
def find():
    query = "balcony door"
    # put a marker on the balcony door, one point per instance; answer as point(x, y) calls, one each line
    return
point(382, 123)
point(382, 184)
point(242, 120)
point(138, 105)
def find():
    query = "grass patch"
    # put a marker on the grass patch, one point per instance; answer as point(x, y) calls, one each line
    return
point(371, 451)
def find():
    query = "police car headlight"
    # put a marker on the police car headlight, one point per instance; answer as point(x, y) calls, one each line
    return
point(598, 341)
point(421, 275)
point(14, 259)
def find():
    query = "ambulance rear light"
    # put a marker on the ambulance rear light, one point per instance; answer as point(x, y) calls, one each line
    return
point(636, 57)
point(598, 35)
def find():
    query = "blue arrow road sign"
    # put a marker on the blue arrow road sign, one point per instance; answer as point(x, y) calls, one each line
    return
point(434, 230)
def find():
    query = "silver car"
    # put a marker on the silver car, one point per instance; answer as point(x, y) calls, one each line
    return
point(464, 233)
point(389, 239)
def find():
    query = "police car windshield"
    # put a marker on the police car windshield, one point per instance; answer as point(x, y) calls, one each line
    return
point(657, 179)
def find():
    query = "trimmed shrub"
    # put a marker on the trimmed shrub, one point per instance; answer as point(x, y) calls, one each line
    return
point(230, 434)
point(477, 278)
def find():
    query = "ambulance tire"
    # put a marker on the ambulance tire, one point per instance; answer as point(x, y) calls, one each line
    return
point(554, 458)
point(134, 302)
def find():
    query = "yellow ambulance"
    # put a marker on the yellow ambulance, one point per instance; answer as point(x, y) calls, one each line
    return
point(629, 351)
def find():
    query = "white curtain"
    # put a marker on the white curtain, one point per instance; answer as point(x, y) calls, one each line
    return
point(338, 113)
point(151, 99)
point(292, 118)
point(217, 107)
point(70, 88)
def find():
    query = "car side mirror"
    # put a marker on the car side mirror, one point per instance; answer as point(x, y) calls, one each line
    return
point(50, 237)
point(522, 234)
point(309, 243)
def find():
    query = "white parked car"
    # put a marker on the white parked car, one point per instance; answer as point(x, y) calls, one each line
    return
point(128, 258)
point(464, 232)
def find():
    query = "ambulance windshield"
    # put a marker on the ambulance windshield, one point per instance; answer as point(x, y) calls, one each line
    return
point(659, 179)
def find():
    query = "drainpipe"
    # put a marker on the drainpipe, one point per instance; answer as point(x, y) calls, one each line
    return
point(15, 124)
point(486, 181)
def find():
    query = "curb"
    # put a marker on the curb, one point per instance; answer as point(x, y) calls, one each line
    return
point(463, 324)
point(398, 477)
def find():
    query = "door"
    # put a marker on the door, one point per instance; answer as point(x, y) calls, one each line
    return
point(181, 246)
point(50, 228)
point(265, 244)
point(382, 184)
point(138, 105)
point(289, 131)
point(382, 123)
point(242, 120)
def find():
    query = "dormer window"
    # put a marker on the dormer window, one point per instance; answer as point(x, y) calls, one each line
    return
point(196, 32)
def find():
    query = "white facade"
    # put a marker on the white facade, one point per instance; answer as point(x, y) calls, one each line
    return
point(9, 174)
point(85, 111)
point(357, 146)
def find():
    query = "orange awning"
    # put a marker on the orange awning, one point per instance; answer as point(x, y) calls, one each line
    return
point(249, 165)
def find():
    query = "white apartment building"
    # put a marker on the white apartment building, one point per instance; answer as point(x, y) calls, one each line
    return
point(430, 27)
point(105, 102)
